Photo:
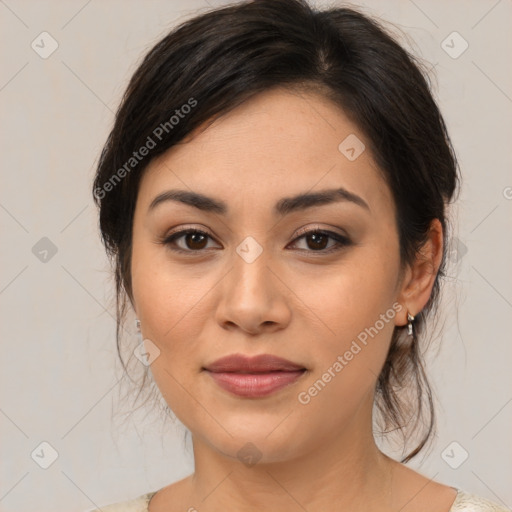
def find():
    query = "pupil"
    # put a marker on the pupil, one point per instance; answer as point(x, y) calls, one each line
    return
point(319, 245)
point(192, 240)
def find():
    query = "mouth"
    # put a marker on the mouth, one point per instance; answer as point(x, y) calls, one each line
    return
point(254, 377)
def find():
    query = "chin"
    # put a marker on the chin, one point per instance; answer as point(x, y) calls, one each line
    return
point(250, 450)
point(257, 440)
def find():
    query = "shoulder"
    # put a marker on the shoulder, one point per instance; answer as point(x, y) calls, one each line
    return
point(466, 502)
point(139, 504)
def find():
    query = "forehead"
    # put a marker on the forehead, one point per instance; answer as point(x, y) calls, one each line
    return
point(278, 143)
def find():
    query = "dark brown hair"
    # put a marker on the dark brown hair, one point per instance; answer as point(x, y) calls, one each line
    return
point(217, 60)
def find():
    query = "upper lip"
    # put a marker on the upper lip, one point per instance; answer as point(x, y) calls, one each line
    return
point(245, 364)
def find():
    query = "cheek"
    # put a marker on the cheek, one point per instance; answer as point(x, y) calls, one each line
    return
point(356, 307)
point(159, 292)
point(159, 295)
point(169, 307)
point(351, 297)
point(171, 304)
point(348, 363)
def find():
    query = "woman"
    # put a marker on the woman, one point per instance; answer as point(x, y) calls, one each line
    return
point(273, 195)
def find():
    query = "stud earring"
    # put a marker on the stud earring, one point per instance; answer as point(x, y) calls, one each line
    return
point(139, 333)
point(410, 319)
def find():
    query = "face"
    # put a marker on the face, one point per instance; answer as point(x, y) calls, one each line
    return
point(315, 281)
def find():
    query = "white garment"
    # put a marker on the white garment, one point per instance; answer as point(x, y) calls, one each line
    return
point(464, 502)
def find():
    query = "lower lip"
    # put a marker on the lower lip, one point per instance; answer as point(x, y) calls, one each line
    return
point(255, 385)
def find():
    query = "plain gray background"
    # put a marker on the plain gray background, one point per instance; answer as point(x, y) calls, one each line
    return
point(59, 374)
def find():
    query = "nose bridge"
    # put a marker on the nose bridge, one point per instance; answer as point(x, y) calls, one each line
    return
point(251, 297)
point(250, 279)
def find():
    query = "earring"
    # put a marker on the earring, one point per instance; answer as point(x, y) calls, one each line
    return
point(410, 319)
point(137, 326)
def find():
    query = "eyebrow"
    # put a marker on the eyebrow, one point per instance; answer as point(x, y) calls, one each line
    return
point(283, 207)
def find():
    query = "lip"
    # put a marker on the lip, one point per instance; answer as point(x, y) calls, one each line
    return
point(256, 364)
point(254, 377)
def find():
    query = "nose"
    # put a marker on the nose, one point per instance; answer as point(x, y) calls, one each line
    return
point(252, 298)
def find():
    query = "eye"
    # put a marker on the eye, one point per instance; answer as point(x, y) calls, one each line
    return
point(317, 240)
point(193, 240)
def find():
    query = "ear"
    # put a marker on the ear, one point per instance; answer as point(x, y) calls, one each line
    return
point(419, 278)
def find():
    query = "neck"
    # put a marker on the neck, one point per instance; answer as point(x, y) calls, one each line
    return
point(347, 470)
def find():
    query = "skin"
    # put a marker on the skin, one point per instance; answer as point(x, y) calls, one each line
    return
point(293, 301)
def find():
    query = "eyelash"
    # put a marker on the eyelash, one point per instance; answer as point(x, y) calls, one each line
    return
point(341, 241)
